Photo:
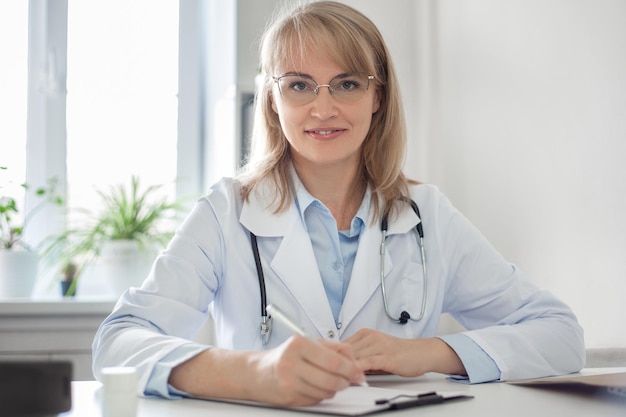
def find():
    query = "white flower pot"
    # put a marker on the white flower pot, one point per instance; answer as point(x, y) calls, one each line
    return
point(18, 273)
point(124, 264)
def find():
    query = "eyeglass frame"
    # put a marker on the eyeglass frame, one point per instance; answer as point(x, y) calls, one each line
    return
point(277, 79)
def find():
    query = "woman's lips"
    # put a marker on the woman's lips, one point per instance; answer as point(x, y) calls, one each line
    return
point(325, 133)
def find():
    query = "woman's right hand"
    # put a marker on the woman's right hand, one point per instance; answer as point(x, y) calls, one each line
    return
point(302, 371)
point(299, 372)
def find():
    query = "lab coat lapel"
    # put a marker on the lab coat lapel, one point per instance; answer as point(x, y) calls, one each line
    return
point(294, 262)
point(365, 277)
point(295, 265)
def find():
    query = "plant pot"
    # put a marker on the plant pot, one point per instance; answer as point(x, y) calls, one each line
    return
point(68, 288)
point(124, 264)
point(18, 273)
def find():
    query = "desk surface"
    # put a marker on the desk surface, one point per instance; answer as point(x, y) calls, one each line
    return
point(494, 399)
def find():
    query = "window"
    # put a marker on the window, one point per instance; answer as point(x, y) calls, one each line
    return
point(92, 96)
point(122, 82)
point(13, 84)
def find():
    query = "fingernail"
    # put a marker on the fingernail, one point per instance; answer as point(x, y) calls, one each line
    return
point(360, 380)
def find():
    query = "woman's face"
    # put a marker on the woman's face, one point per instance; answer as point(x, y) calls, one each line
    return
point(326, 131)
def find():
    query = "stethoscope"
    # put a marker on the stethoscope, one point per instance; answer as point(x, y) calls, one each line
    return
point(266, 319)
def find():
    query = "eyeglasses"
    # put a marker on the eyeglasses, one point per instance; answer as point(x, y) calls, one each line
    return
point(301, 89)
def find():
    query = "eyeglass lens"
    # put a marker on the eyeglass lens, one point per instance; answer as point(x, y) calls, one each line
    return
point(300, 89)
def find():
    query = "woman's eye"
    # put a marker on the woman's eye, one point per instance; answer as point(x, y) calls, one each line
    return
point(299, 86)
point(348, 85)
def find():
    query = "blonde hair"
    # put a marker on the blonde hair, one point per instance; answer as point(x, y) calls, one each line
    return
point(355, 43)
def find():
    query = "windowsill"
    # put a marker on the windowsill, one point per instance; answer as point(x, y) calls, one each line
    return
point(52, 328)
point(44, 306)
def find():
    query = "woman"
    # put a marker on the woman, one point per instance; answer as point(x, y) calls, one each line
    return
point(325, 172)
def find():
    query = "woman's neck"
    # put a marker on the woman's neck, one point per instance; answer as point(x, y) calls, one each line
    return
point(339, 188)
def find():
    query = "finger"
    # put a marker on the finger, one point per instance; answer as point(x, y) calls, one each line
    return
point(373, 364)
point(364, 343)
point(335, 359)
point(299, 380)
point(311, 392)
point(344, 349)
point(321, 383)
point(372, 349)
point(302, 392)
point(358, 336)
point(362, 338)
point(347, 352)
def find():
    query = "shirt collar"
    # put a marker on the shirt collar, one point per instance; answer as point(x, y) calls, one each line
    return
point(362, 214)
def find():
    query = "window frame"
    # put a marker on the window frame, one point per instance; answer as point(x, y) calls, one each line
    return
point(46, 138)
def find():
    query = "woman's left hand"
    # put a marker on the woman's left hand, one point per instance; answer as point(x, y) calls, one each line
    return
point(377, 352)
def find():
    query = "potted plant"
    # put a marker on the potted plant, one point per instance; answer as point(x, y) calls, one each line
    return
point(120, 239)
point(69, 273)
point(18, 261)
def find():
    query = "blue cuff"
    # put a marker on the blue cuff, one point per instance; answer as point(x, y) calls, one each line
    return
point(157, 384)
point(479, 366)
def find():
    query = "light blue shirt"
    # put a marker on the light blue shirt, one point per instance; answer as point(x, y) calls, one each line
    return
point(334, 250)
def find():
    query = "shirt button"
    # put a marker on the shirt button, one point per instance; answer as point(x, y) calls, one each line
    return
point(336, 265)
point(331, 334)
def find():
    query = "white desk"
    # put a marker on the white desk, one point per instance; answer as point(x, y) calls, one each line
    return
point(495, 399)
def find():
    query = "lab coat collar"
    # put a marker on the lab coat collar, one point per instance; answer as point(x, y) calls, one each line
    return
point(258, 217)
point(295, 264)
point(403, 220)
point(257, 213)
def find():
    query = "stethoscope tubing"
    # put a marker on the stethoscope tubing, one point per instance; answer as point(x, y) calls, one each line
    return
point(404, 316)
point(266, 320)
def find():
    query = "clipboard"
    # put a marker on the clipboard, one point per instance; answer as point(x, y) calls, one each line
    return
point(362, 401)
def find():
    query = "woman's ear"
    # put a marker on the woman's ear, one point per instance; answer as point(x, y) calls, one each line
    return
point(377, 98)
point(273, 103)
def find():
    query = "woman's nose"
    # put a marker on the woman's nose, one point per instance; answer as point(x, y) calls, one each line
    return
point(324, 104)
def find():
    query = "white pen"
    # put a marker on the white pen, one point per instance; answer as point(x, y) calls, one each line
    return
point(276, 313)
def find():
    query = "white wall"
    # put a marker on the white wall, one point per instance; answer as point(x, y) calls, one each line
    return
point(517, 110)
point(528, 138)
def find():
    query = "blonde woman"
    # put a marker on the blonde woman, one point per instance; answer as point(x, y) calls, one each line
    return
point(323, 223)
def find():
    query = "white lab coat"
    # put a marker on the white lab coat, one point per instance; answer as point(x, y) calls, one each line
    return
point(209, 265)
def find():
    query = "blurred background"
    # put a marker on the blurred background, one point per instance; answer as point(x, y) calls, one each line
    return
point(516, 110)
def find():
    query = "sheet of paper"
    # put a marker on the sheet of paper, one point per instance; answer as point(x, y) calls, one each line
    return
point(353, 401)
